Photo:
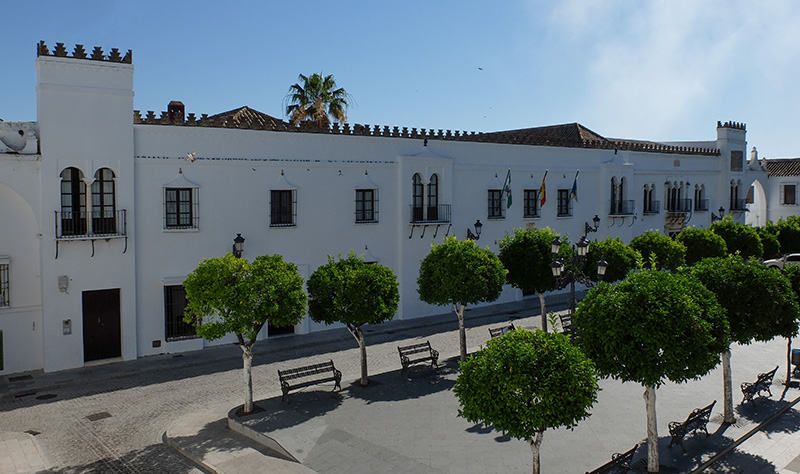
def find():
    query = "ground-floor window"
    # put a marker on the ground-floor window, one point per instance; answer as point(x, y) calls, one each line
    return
point(5, 297)
point(174, 306)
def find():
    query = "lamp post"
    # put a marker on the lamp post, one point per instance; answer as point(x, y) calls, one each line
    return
point(715, 217)
point(238, 246)
point(574, 273)
point(588, 228)
point(477, 235)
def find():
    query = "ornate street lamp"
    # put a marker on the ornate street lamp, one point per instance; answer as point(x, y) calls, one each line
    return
point(715, 217)
point(477, 235)
point(555, 247)
point(238, 246)
point(591, 228)
point(602, 265)
point(574, 273)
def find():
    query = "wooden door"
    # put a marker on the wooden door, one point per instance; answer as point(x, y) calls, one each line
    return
point(101, 325)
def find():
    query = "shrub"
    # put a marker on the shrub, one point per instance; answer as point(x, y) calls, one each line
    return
point(669, 254)
point(701, 243)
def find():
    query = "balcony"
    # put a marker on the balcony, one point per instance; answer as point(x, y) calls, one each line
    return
point(621, 208)
point(738, 205)
point(701, 205)
point(74, 225)
point(653, 207)
point(679, 206)
point(430, 214)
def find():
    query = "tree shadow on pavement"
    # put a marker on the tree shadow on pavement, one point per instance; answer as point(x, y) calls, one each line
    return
point(274, 414)
point(154, 458)
point(761, 409)
point(416, 382)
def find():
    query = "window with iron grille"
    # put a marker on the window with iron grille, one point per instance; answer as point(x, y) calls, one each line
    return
point(496, 204)
point(104, 204)
point(737, 160)
point(180, 208)
point(174, 305)
point(283, 207)
point(5, 297)
point(366, 205)
point(789, 194)
point(564, 208)
point(73, 202)
point(531, 203)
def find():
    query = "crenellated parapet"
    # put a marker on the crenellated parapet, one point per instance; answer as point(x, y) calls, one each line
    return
point(79, 52)
point(734, 125)
point(387, 131)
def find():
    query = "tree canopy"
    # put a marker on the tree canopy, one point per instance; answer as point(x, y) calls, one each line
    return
point(769, 240)
point(231, 295)
point(527, 256)
point(353, 292)
point(701, 243)
point(651, 327)
point(759, 301)
point(739, 238)
point(621, 259)
point(317, 99)
point(788, 233)
point(459, 272)
point(669, 254)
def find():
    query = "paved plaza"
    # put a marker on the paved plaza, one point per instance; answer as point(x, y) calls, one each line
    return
point(111, 418)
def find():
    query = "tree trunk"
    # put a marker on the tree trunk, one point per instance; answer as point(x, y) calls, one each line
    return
point(652, 429)
point(362, 346)
point(543, 311)
point(727, 389)
point(536, 444)
point(247, 363)
point(462, 332)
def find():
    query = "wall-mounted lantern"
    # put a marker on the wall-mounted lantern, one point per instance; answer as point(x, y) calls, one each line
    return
point(238, 246)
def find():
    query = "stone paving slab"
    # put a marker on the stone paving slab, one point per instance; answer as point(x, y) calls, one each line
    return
point(20, 453)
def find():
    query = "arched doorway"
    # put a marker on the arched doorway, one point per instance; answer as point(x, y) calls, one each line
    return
point(756, 202)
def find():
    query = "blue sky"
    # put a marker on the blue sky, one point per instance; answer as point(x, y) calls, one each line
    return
point(662, 70)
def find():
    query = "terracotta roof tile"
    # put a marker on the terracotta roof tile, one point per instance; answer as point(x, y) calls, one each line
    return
point(783, 166)
point(245, 117)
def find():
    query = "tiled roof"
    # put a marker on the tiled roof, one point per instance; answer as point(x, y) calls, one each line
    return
point(245, 117)
point(783, 167)
point(573, 135)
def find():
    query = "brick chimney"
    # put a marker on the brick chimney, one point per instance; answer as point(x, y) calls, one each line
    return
point(176, 112)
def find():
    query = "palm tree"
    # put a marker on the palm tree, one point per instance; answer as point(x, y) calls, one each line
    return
point(316, 99)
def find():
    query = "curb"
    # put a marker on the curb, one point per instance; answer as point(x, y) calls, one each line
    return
point(207, 468)
point(259, 438)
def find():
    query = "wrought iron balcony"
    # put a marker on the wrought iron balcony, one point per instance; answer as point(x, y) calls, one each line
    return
point(738, 205)
point(71, 225)
point(430, 214)
point(701, 205)
point(621, 208)
point(652, 207)
point(679, 205)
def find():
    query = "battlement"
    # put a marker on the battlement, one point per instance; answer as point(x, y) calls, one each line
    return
point(386, 131)
point(78, 52)
point(734, 125)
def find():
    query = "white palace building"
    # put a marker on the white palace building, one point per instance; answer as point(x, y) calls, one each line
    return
point(104, 210)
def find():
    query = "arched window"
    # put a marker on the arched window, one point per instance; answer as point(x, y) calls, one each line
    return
point(700, 202)
point(104, 204)
point(73, 203)
point(433, 198)
point(417, 197)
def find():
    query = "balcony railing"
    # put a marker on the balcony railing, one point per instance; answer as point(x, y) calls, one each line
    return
point(738, 205)
point(102, 225)
point(621, 208)
point(701, 205)
point(653, 207)
point(679, 205)
point(430, 214)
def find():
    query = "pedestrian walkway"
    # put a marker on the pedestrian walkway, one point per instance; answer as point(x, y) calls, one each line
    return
point(20, 453)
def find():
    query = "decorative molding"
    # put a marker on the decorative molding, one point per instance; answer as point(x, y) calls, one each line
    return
point(79, 52)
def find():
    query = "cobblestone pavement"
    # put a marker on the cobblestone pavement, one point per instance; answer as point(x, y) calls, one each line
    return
point(110, 418)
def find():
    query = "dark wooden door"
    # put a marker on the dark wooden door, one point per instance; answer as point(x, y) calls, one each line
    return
point(101, 325)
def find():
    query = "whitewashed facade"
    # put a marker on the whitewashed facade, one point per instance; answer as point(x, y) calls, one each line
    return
point(780, 196)
point(103, 211)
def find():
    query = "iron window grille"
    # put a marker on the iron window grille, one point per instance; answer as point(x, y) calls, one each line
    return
point(564, 203)
point(283, 208)
point(737, 160)
point(66, 229)
point(175, 328)
point(622, 207)
point(366, 206)
point(5, 296)
point(434, 214)
point(531, 203)
point(701, 204)
point(789, 195)
point(181, 208)
point(104, 203)
point(73, 203)
point(652, 207)
point(496, 209)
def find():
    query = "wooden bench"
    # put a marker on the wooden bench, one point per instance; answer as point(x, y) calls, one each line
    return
point(494, 332)
point(418, 354)
point(326, 371)
point(620, 463)
point(761, 385)
point(697, 420)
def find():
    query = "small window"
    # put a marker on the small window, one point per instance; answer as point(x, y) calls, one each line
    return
point(496, 204)
point(737, 160)
point(564, 208)
point(531, 203)
point(5, 297)
point(282, 208)
point(174, 306)
point(366, 205)
point(179, 210)
point(789, 194)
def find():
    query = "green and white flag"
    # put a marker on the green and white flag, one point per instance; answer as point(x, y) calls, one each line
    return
point(507, 189)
